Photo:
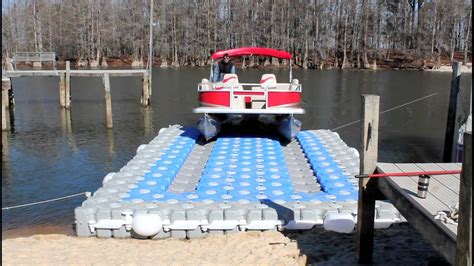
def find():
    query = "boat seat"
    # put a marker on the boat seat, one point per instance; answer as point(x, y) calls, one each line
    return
point(268, 80)
point(205, 84)
point(231, 81)
point(258, 101)
point(294, 84)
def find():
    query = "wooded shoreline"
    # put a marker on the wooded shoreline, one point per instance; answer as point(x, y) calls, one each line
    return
point(410, 34)
point(395, 60)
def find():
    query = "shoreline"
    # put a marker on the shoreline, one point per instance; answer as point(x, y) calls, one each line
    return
point(399, 244)
point(465, 69)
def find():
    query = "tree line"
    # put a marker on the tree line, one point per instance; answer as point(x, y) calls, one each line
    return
point(343, 33)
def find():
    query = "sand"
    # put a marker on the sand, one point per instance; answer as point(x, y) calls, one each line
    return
point(464, 68)
point(397, 245)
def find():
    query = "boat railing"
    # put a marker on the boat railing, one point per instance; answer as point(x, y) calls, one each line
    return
point(208, 86)
point(237, 90)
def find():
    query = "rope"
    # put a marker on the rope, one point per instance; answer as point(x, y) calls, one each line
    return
point(87, 194)
point(449, 217)
point(388, 110)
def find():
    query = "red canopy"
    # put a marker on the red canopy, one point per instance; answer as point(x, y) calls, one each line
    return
point(252, 51)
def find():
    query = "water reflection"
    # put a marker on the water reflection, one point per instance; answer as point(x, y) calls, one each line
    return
point(65, 116)
point(10, 118)
point(4, 147)
point(110, 140)
point(147, 119)
point(66, 127)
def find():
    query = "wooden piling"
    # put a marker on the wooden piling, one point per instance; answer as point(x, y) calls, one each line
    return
point(451, 120)
point(4, 113)
point(62, 90)
point(464, 234)
point(6, 82)
point(367, 186)
point(68, 85)
point(108, 100)
point(6, 85)
point(146, 90)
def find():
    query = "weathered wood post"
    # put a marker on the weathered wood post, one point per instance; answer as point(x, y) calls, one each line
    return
point(68, 85)
point(62, 90)
point(108, 100)
point(451, 120)
point(368, 164)
point(4, 113)
point(6, 83)
point(464, 235)
point(146, 90)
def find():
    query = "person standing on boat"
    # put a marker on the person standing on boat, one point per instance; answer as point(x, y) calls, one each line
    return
point(223, 67)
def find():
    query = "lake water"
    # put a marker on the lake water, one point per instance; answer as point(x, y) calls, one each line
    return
point(50, 152)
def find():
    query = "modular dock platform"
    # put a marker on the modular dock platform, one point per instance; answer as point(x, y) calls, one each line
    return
point(179, 186)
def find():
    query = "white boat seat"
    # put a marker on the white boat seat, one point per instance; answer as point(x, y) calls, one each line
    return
point(205, 84)
point(294, 84)
point(268, 80)
point(231, 81)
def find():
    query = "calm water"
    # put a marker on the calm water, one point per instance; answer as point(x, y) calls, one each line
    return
point(51, 152)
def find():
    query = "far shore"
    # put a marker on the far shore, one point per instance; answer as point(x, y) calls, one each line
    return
point(120, 64)
point(464, 69)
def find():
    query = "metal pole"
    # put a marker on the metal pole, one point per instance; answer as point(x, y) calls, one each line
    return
point(212, 71)
point(291, 74)
point(150, 56)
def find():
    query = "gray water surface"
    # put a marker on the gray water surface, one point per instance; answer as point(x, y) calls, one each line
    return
point(50, 152)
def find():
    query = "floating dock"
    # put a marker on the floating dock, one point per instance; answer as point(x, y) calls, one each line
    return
point(179, 186)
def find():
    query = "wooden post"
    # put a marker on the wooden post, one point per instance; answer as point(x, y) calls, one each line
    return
point(146, 90)
point(108, 100)
point(368, 164)
point(451, 121)
point(5, 101)
point(62, 90)
point(6, 84)
point(464, 235)
point(4, 112)
point(68, 85)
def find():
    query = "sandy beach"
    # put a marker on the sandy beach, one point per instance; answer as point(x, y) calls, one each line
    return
point(397, 245)
point(464, 69)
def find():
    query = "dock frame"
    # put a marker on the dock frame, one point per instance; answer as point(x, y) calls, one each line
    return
point(453, 242)
point(65, 84)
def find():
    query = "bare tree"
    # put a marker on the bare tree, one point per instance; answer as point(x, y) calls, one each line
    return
point(341, 33)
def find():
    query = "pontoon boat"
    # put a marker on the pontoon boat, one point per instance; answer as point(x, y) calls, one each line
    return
point(230, 101)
